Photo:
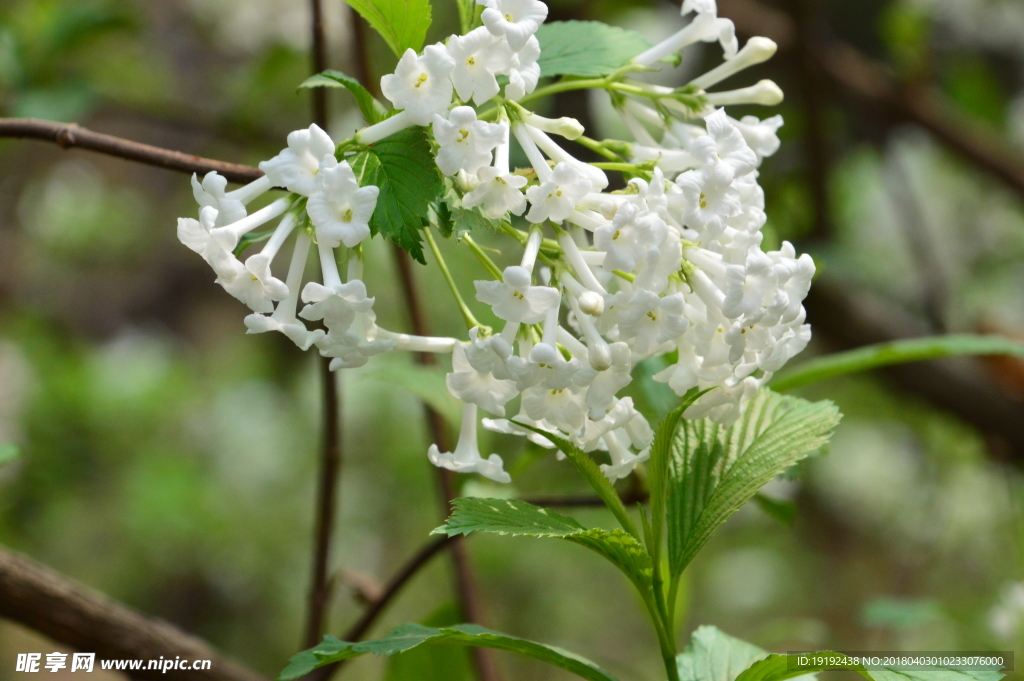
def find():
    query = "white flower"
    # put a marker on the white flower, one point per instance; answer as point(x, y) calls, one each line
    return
point(724, 144)
point(749, 285)
point(761, 136)
point(354, 347)
point(466, 143)
point(710, 199)
point(651, 321)
point(626, 239)
point(196, 235)
point(623, 461)
point(211, 193)
point(545, 366)
point(478, 57)
point(484, 390)
point(497, 192)
point(489, 355)
point(604, 385)
point(421, 85)
point(514, 299)
point(337, 305)
point(516, 20)
point(561, 407)
point(296, 167)
point(466, 458)
point(341, 209)
point(524, 72)
point(556, 198)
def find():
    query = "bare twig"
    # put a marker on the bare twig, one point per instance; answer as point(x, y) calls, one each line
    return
point(465, 581)
point(330, 453)
point(69, 613)
point(67, 135)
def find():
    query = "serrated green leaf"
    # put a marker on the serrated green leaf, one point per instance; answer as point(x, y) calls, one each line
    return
point(713, 655)
point(521, 518)
point(402, 23)
point(432, 663)
point(506, 516)
point(403, 168)
point(714, 469)
point(462, 220)
point(408, 636)
point(592, 474)
point(8, 452)
point(586, 48)
point(373, 111)
point(896, 352)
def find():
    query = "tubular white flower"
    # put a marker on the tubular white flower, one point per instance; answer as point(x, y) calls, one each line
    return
point(756, 51)
point(335, 303)
point(295, 168)
point(259, 264)
point(421, 85)
point(482, 389)
point(575, 257)
point(229, 235)
point(341, 209)
point(555, 199)
point(524, 72)
point(211, 193)
point(710, 198)
point(515, 20)
point(596, 176)
point(466, 458)
point(499, 191)
point(567, 127)
point(724, 144)
point(478, 57)
point(765, 92)
point(561, 407)
point(651, 321)
point(706, 27)
point(284, 319)
point(515, 299)
point(761, 135)
point(466, 143)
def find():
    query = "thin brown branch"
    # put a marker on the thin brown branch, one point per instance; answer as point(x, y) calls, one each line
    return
point(68, 135)
point(330, 453)
point(465, 581)
point(69, 613)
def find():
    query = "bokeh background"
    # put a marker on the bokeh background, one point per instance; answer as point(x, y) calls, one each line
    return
point(168, 459)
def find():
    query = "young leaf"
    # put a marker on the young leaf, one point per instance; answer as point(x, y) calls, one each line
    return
point(713, 655)
point(433, 663)
point(402, 23)
point(403, 168)
point(408, 636)
point(520, 518)
point(714, 470)
point(373, 111)
point(593, 475)
point(586, 48)
point(896, 352)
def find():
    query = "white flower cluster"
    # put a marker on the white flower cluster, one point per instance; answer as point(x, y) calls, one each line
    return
point(672, 265)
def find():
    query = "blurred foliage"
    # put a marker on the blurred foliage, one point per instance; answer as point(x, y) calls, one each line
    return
point(168, 459)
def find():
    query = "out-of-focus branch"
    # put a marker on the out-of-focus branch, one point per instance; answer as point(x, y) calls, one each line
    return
point(68, 135)
point(873, 84)
point(69, 613)
point(849, 320)
point(465, 581)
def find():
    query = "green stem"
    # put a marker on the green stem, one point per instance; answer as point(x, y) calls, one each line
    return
point(484, 259)
point(622, 167)
point(564, 86)
point(598, 148)
point(467, 314)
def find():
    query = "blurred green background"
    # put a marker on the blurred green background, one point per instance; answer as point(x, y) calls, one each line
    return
point(168, 459)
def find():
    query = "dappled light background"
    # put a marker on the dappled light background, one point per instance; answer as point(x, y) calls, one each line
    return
point(168, 459)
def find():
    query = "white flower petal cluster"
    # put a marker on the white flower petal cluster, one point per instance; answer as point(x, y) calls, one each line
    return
point(672, 266)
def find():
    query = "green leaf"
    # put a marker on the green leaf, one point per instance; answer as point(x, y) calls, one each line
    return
point(657, 468)
point(592, 474)
point(714, 470)
point(506, 516)
point(896, 352)
point(402, 23)
point(432, 663)
point(373, 111)
point(408, 636)
point(403, 168)
point(586, 48)
point(520, 518)
point(781, 510)
point(713, 655)
point(463, 220)
point(8, 452)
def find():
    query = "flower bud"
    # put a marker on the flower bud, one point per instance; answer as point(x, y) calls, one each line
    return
point(592, 303)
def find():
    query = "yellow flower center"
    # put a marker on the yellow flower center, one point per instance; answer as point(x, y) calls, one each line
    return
point(347, 216)
point(471, 60)
point(653, 316)
point(519, 295)
point(703, 201)
point(463, 134)
point(422, 79)
point(508, 17)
